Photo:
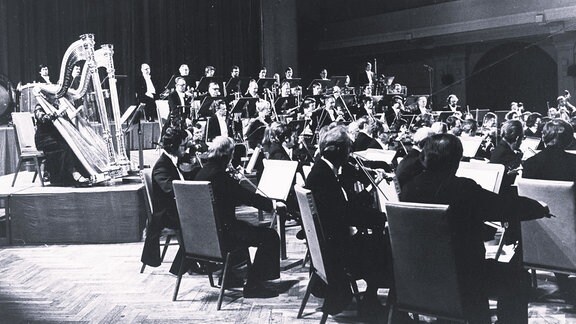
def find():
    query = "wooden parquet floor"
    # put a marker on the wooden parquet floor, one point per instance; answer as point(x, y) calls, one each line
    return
point(102, 284)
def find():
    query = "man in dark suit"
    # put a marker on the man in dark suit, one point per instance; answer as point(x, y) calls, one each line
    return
point(470, 206)
point(146, 92)
point(168, 167)
point(364, 139)
point(179, 100)
point(218, 124)
point(43, 76)
point(507, 151)
point(553, 163)
point(364, 255)
point(324, 117)
point(228, 194)
point(366, 77)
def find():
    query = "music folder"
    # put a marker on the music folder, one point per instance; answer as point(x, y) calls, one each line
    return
point(338, 81)
point(204, 82)
point(246, 106)
point(204, 110)
point(328, 83)
point(293, 82)
point(265, 83)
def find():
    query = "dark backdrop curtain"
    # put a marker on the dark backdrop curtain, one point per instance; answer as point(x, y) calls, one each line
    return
point(163, 33)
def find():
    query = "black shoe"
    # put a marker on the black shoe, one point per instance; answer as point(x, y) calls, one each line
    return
point(258, 291)
point(197, 268)
point(233, 281)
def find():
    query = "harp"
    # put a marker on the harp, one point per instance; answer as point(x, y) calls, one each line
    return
point(96, 153)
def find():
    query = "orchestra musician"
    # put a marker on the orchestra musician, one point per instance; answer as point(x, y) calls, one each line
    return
point(472, 205)
point(168, 167)
point(324, 116)
point(218, 124)
point(179, 100)
point(324, 74)
point(452, 105)
point(507, 151)
point(533, 125)
point(554, 163)
point(366, 77)
point(262, 73)
point(365, 255)
point(255, 132)
point(43, 74)
point(367, 130)
point(146, 92)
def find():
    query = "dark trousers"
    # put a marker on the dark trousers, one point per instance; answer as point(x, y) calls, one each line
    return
point(509, 284)
point(266, 265)
point(150, 108)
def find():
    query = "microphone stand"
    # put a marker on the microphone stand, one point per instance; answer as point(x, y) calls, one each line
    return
point(430, 74)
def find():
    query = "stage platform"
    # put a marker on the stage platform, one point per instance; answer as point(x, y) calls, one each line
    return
point(113, 213)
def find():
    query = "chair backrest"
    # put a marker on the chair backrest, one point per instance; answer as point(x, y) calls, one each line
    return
point(146, 176)
point(314, 237)
point(24, 129)
point(470, 144)
point(424, 262)
point(199, 226)
point(277, 178)
point(487, 175)
point(550, 243)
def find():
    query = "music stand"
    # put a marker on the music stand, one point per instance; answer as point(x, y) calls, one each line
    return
point(443, 115)
point(204, 110)
point(297, 125)
point(338, 81)
point(328, 83)
point(246, 106)
point(285, 103)
point(265, 83)
point(203, 84)
point(293, 82)
point(133, 117)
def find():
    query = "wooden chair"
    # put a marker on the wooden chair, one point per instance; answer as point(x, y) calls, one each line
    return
point(24, 134)
point(424, 262)
point(201, 232)
point(167, 233)
point(550, 243)
point(315, 241)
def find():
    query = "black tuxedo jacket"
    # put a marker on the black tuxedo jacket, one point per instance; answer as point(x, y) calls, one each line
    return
point(174, 102)
point(363, 78)
point(228, 194)
point(503, 154)
point(165, 212)
point(277, 152)
point(255, 133)
point(214, 128)
point(552, 163)
point(140, 87)
point(321, 118)
point(335, 215)
point(364, 142)
point(470, 206)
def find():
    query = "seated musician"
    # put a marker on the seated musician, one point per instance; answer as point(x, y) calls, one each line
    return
point(507, 151)
point(364, 255)
point(179, 100)
point(323, 117)
point(255, 132)
point(228, 194)
point(367, 108)
point(534, 125)
point(554, 163)
point(62, 166)
point(395, 110)
point(218, 123)
point(170, 166)
point(411, 166)
point(452, 105)
point(368, 129)
point(471, 206)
